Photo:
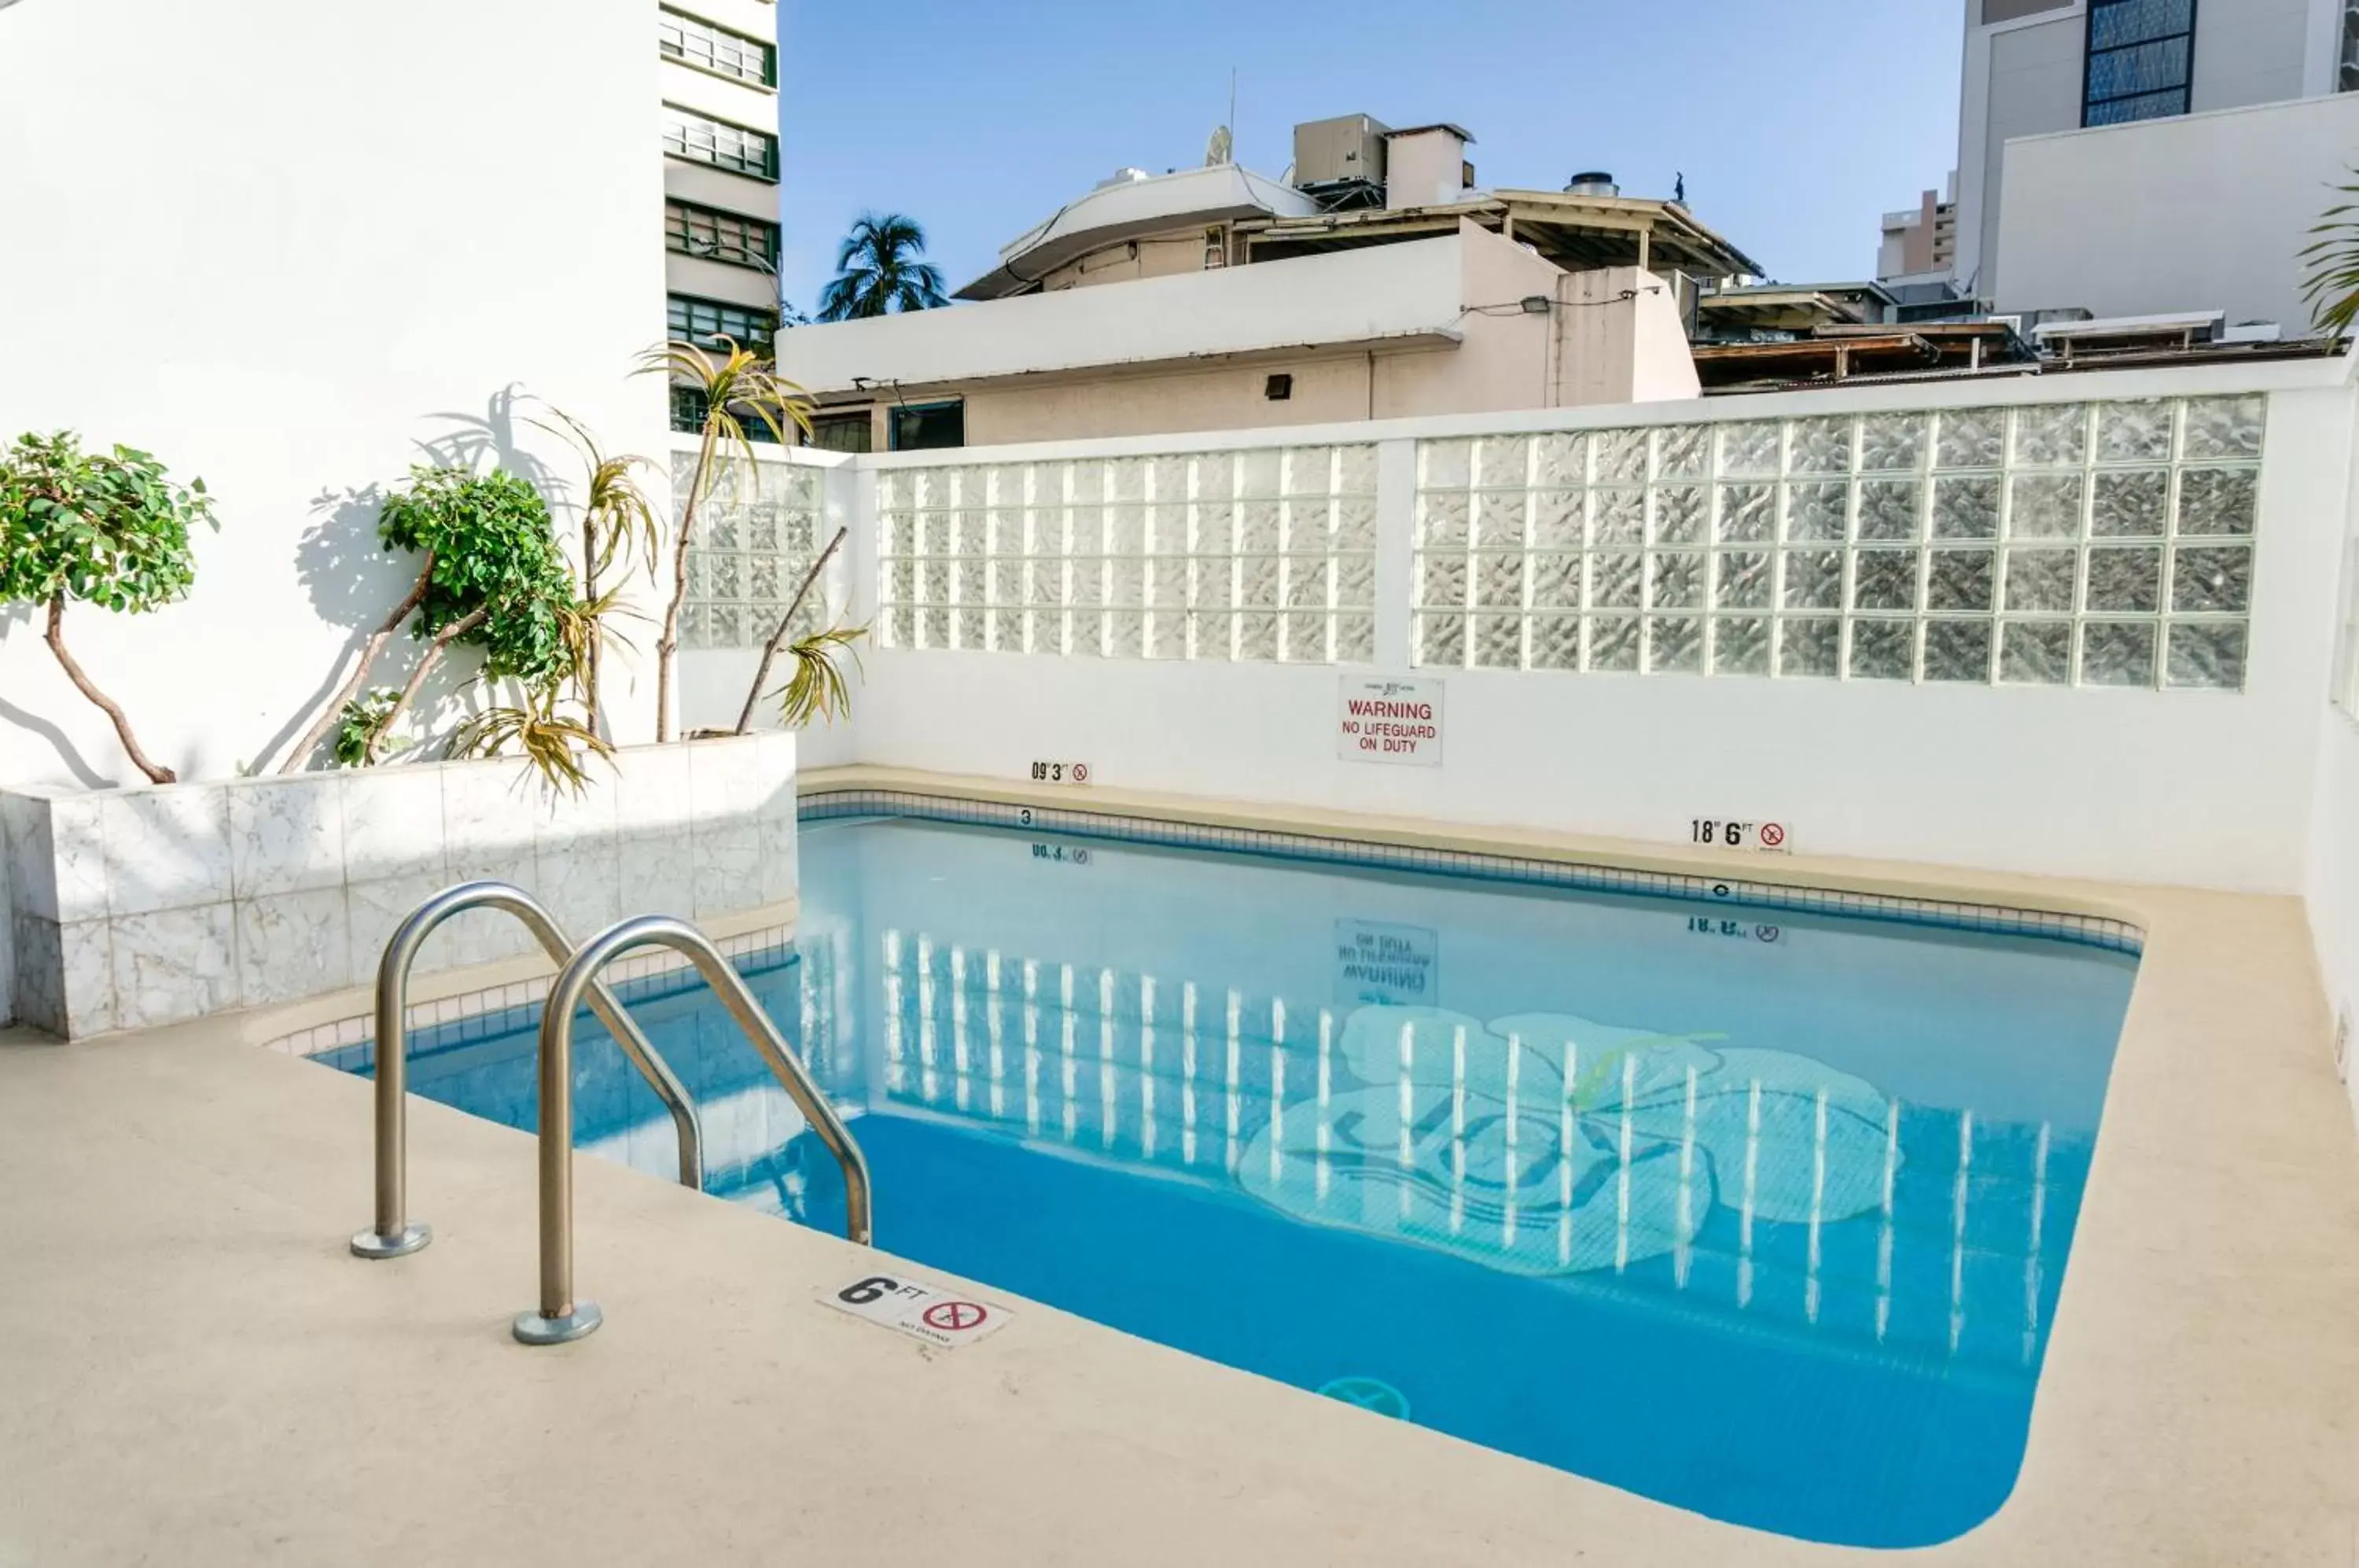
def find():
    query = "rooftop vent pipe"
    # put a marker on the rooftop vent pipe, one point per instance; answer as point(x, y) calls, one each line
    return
point(1593, 182)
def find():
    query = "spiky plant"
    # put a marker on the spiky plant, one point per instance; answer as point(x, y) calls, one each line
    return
point(739, 388)
point(555, 744)
point(817, 690)
point(618, 522)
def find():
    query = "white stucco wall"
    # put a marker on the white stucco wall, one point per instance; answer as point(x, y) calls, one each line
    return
point(1382, 291)
point(2179, 787)
point(2200, 213)
point(293, 249)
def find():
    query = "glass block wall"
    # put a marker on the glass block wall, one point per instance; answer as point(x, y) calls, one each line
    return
point(1262, 554)
point(2099, 544)
point(756, 532)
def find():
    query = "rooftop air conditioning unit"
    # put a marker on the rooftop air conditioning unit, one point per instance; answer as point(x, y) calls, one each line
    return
point(1348, 149)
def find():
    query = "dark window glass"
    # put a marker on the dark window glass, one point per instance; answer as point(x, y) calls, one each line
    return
point(2141, 56)
point(2138, 70)
point(2114, 23)
point(710, 47)
point(925, 427)
point(720, 236)
point(843, 433)
point(706, 321)
point(688, 408)
point(703, 140)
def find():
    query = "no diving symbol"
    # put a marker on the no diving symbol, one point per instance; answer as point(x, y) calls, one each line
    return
point(1080, 773)
point(1772, 834)
point(953, 1317)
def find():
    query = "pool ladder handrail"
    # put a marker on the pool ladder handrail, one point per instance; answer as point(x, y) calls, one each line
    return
point(559, 1316)
point(394, 1235)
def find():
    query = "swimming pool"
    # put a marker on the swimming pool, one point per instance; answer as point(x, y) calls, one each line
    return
point(1755, 1212)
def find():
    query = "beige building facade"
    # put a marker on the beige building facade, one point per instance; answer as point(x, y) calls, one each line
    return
point(1463, 322)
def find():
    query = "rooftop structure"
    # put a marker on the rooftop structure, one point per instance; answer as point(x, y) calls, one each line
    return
point(1244, 300)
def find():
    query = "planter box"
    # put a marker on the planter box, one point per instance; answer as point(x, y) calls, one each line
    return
point(135, 908)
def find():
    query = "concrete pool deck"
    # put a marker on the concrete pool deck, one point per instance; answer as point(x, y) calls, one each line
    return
point(194, 1370)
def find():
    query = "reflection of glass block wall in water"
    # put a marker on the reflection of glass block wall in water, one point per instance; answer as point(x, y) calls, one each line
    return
point(2096, 544)
point(1263, 554)
point(1755, 1184)
point(758, 531)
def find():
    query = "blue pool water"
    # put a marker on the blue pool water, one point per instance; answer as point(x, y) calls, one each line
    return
point(1757, 1214)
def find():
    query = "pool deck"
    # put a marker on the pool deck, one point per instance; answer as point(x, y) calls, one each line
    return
point(193, 1370)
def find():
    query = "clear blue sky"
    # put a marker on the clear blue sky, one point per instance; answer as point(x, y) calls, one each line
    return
point(1796, 123)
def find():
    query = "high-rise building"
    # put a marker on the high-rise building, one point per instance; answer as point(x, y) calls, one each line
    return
point(1920, 242)
point(720, 176)
point(2036, 67)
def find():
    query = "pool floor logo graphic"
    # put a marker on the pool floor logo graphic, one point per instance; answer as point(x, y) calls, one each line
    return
point(1373, 1394)
point(1546, 1143)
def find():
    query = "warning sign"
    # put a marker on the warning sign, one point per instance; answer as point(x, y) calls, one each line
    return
point(1392, 966)
point(932, 1312)
point(1390, 720)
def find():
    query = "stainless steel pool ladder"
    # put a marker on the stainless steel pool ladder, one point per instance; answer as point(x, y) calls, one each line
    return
point(394, 1236)
point(559, 1317)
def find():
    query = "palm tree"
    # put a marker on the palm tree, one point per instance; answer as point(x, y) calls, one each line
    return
point(877, 271)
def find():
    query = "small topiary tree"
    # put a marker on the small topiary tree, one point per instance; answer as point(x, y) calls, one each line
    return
point(106, 529)
point(492, 578)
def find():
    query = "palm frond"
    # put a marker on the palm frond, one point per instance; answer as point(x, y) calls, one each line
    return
point(590, 623)
point(2332, 262)
point(613, 504)
point(817, 689)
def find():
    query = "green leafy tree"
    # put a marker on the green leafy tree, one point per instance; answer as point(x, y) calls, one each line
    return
point(877, 271)
point(493, 578)
point(108, 530)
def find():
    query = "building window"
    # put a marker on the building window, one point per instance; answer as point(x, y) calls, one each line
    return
point(2346, 76)
point(721, 236)
point(928, 426)
point(687, 409)
point(705, 322)
point(849, 431)
point(2140, 58)
point(703, 140)
point(694, 41)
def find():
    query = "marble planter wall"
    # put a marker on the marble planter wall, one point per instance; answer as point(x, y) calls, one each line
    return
point(135, 908)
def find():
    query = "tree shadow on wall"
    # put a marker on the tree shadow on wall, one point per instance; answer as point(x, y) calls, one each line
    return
point(21, 622)
point(353, 582)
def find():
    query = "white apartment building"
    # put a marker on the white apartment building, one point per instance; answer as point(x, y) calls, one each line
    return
point(2096, 80)
point(719, 77)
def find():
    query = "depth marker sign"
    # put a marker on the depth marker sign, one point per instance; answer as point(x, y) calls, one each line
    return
point(932, 1312)
point(1390, 720)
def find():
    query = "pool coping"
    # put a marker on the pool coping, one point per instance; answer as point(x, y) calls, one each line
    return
point(2194, 1405)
